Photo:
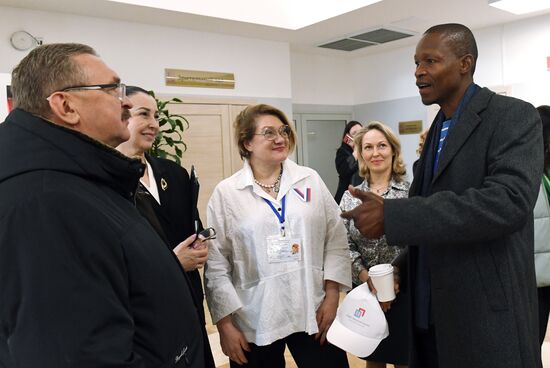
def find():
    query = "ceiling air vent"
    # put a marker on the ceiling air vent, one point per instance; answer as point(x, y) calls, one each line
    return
point(381, 35)
point(347, 44)
point(365, 39)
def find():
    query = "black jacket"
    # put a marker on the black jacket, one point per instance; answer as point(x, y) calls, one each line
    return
point(84, 279)
point(173, 219)
point(346, 166)
point(176, 212)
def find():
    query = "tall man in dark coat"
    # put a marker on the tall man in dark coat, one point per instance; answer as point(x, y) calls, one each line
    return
point(85, 281)
point(469, 219)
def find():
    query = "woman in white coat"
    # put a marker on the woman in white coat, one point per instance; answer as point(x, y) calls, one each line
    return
point(281, 255)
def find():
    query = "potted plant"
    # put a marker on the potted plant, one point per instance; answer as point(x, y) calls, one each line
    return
point(169, 142)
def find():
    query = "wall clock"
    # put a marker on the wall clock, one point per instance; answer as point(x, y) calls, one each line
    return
point(22, 40)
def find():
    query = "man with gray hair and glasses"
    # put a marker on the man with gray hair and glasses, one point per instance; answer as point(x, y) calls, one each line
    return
point(84, 279)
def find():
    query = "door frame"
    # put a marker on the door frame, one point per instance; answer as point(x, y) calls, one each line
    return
point(301, 130)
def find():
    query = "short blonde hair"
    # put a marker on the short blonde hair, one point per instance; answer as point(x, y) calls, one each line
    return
point(398, 166)
point(245, 126)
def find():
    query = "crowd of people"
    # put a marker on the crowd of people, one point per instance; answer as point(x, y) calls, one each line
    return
point(100, 246)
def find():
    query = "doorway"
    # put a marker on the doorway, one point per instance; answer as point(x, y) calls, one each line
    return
point(319, 136)
point(210, 144)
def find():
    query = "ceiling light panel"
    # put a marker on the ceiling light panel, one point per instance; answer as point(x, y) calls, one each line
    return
point(520, 6)
point(287, 14)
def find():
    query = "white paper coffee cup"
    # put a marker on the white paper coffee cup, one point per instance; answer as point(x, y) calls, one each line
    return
point(382, 279)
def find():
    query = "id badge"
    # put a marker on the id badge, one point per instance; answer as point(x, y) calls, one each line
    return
point(283, 249)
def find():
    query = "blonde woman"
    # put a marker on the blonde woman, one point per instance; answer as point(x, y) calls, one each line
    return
point(381, 165)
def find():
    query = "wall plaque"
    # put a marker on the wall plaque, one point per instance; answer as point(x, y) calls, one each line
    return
point(198, 78)
point(410, 127)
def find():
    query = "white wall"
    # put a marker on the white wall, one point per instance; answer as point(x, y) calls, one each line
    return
point(526, 45)
point(321, 80)
point(385, 76)
point(489, 71)
point(139, 52)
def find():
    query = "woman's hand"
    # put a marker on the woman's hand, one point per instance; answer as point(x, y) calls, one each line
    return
point(232, 341)
point(327, 310)
point(192, 253)
point(364, 277)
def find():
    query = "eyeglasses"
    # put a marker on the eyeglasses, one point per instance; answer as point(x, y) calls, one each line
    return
point(120, 89)
point(207, 234)
point(271, 133)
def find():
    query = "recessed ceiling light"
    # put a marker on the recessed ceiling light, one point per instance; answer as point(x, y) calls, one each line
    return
point(520, 6)
point(287, 14)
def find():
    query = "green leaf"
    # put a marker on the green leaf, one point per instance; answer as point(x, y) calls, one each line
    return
point(179, 124)
point(161, 105)
point(171, 128)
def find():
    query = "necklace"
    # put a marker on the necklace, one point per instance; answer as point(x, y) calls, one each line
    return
point(379, 190)
point(275, 186)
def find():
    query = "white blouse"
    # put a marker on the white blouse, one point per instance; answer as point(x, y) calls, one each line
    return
point(152, 187)
point(270, 301)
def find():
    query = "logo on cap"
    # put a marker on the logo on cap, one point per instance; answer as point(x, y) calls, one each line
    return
point(359, 312)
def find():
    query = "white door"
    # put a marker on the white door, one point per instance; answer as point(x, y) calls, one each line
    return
point(210, 144)
point(320, 136)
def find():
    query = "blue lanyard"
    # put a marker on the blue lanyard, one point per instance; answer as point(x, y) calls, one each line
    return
point(281, 216)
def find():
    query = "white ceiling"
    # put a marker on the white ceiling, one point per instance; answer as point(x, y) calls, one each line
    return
point(405, 15)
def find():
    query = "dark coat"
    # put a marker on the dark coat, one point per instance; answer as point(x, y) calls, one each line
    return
point(78, 287)
point(175, 215)
point(477, 226)
point(346, 166)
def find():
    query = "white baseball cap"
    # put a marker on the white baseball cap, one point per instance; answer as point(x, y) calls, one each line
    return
point(360, 323)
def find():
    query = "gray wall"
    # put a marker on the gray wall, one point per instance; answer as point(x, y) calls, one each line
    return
point(320, 109)
point(283, 104)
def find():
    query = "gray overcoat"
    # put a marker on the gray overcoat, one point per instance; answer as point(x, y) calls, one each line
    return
point(477, 226)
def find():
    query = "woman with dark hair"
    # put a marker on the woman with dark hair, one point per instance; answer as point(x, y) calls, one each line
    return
point(281, 254)
point(164, 198)
point(346, 163)
point(542, 229)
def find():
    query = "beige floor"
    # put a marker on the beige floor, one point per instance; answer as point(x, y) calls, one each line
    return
point(354, 362)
